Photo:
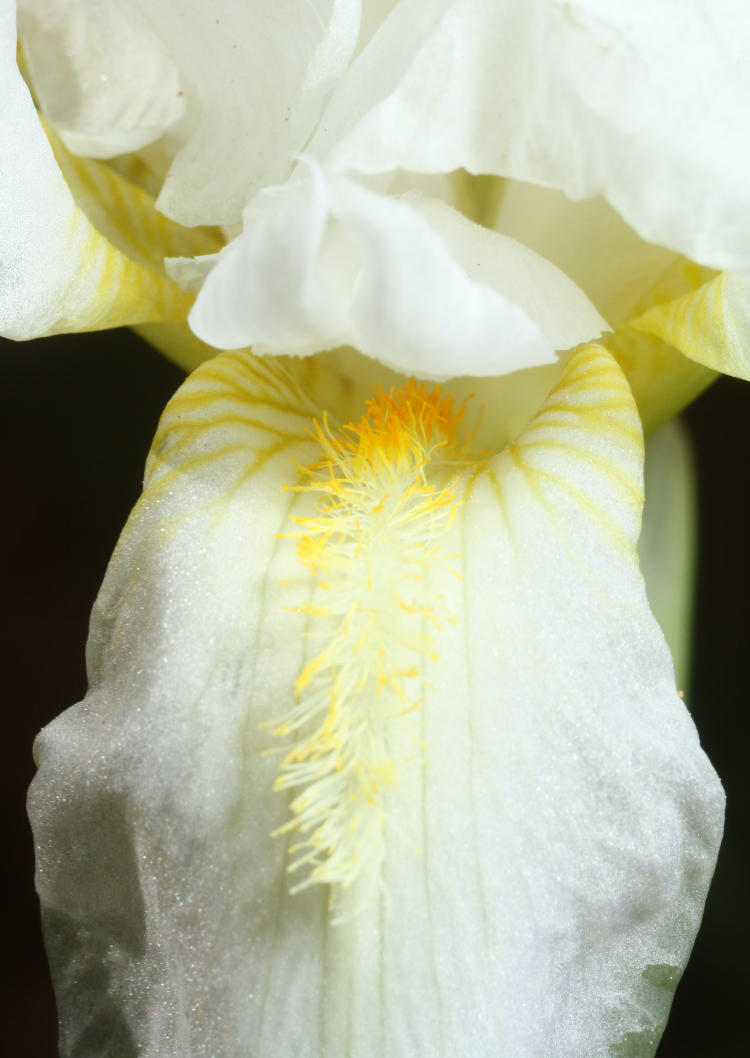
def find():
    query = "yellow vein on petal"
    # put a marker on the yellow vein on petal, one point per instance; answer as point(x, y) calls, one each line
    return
point(710, 325)
point(593, 374)
point(125, 214)
point(596, 511)
point(206, 423)
point(621, 478)
point(106, 285)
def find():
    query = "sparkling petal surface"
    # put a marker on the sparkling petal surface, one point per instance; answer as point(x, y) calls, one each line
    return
point(547, 854)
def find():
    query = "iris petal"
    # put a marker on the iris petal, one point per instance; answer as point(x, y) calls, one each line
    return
point(63, 269)
point(408, 281)
point(588, 97)
point(546, 853)
point(710, 325)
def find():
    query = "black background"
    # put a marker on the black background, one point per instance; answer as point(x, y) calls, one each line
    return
point(77, 417)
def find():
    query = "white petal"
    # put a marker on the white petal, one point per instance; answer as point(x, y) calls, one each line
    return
point(546, 872)
point(255, 77)
point(332, 54)
point(247, 79)
point(58, 271)
point(100, 73)
point(594, 812)
point(407, 281)
point(545, 293)
point(213, 497)
point(588, 241)
point(663, 381)
point(644, 104)
point(267, 287)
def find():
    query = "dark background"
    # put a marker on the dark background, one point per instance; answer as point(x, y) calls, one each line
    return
point(77, 415)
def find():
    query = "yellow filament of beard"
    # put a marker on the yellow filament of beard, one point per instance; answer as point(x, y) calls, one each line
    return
point(385, 495)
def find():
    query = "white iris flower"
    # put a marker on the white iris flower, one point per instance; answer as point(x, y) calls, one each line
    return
point(383, 752)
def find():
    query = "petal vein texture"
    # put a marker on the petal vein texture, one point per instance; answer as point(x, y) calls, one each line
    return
point(66, 262)
point(546, 855)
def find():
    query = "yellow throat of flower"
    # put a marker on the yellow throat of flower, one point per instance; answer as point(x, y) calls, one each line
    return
point(385, 491)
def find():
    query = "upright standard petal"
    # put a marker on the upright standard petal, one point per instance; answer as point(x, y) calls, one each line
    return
point(81, 248)
point(550, 822)
point(643, 104)
point(239, 86)
point(100, 73)
point(256, 76)
point(324, 262)
point(588, 241)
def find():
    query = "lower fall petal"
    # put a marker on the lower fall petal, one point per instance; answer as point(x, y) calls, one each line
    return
point(710, 325)
point(548, 841)
point(662, 374)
